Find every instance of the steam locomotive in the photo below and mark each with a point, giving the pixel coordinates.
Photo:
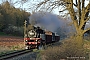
(37, 38)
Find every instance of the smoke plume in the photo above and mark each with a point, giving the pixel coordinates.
(51, 22)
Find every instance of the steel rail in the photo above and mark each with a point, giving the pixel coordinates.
(14, 54)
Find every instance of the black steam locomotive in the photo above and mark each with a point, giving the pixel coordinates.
(35, 37)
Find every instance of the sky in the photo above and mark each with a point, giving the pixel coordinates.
(29, 5)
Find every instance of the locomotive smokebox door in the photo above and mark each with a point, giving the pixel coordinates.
(31, 33)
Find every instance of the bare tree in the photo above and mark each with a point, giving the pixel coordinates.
(19, 3)
(78, 10)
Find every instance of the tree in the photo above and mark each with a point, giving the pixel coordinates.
(12, 15)
(1, 21)
(1, 18)
(78, 10)
(11, 18)
(8, 13)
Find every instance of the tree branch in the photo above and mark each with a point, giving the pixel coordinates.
(43, 2)
(83, 3)
(79, 10)
(87, 9)
(86, 30)
(87, 19)
(84, 16)
(72, 14)
(75, 5)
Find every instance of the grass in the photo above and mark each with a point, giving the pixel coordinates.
(87, 45)
(2, 34)
(4, 48)
(67, 48)
(9, 49)
(6, 52)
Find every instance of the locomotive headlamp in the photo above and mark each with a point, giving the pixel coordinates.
(36, 40)
(26, 40)
(31, 38)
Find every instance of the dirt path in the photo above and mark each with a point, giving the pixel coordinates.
(10, 40)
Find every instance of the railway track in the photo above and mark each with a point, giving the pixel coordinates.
(14, 54)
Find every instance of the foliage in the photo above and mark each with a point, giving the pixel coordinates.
(87, 45)
(12, 15)
(2, 33)
(13, 30)
(69, 48)
(12, 19)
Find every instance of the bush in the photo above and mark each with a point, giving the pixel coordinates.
(13, 30)
(69, 48)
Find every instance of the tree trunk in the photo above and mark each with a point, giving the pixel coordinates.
(79, 39)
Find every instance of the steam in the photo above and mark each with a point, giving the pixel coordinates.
(50, 22)
(45, 20)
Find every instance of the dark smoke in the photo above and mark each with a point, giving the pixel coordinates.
(51, 22)
(46, 20)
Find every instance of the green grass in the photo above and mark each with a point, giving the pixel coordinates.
(8, 49)
(8, 52)
(2, 34)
